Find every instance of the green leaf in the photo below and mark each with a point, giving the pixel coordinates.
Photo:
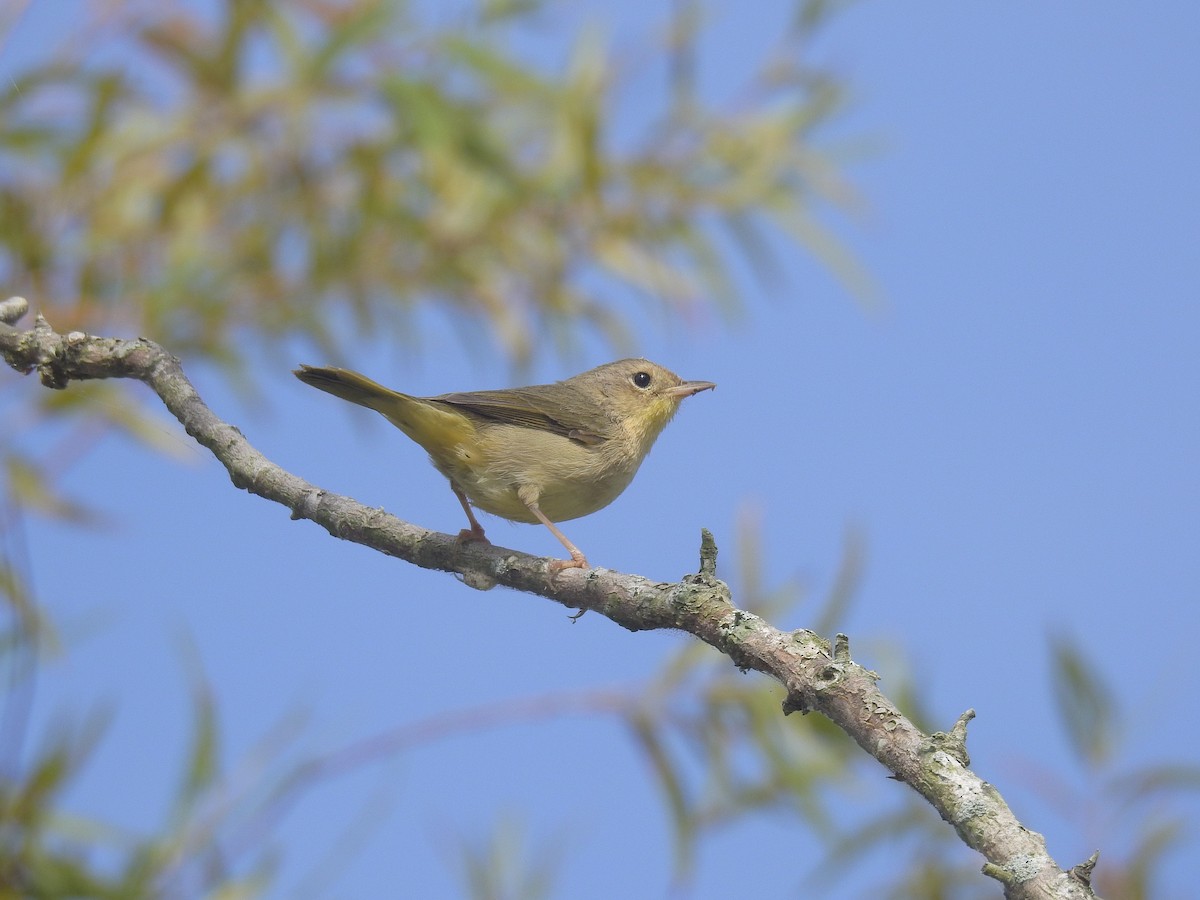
(1085, 703)
(33, 488)
(646, 736)
(1155, 782)
(202, 767)
(501, 868)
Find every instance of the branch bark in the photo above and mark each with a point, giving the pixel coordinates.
(818, 677)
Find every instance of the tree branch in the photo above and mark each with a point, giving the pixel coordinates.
(817, 677)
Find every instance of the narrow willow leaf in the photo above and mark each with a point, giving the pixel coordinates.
(1086, 705)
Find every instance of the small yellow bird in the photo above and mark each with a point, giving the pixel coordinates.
(544, 453)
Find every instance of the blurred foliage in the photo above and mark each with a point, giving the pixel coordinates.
(206, 181)
(1114, 805)
(716, 741)
(1085, 704)
(47, 854)
(499, 867)
(321, 170)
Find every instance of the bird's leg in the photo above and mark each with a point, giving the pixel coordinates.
(475, 532)
(577, 560)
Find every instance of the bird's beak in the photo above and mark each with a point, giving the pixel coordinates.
(688, 388)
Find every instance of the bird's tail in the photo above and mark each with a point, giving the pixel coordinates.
(353, 387)
(441, 430)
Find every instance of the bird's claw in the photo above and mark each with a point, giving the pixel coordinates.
(575, 562)
(472, 536)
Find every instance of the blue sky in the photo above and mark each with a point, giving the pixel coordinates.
(1015, 431)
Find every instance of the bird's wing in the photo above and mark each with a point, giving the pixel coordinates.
(543, 407)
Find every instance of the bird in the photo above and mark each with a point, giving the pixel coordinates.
(545, 453)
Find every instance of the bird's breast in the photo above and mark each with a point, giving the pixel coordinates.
(571, 479)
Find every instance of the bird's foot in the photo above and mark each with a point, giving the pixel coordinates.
(577, 561)
(473, 535)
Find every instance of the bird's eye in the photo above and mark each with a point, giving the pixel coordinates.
(641, 379)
